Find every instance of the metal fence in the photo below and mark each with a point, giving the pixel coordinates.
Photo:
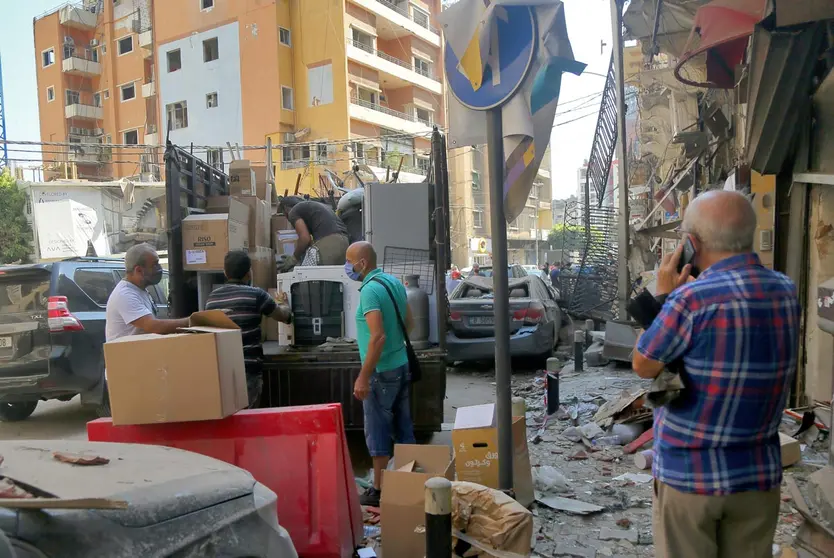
(588, 277)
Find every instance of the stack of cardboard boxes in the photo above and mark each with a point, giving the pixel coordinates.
(240, 221)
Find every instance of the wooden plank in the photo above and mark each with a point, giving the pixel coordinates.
(62, 504)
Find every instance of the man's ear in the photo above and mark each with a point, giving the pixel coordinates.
(248, 277)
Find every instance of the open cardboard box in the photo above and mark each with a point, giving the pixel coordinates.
(475, 440)
(403, 496)
(196, 374)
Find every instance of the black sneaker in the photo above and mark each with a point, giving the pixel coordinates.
(370, 497)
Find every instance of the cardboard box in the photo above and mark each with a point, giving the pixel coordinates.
(234, 208)
(403, 496)
(242, 180)
(264, 274)
(208, 238)
(277, 223)
(194, 375)
(264, 191)
(475, 440)
(791, 451)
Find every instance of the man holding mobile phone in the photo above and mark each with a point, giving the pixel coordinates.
(718, 465)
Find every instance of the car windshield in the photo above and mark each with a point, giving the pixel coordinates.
(487, 272)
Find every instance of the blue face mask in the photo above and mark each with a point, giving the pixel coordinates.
(351, 272)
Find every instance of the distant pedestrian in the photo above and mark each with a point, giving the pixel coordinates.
(554, 275)
(476, 271)
(384, 380)
(718, 465)
(545, 271)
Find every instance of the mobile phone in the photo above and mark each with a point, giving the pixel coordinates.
(688, 257)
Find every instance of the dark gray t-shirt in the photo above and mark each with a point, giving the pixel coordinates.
(321, 221)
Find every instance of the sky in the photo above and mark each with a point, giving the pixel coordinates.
(589, 23)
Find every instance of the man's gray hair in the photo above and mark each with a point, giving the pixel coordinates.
(722, 221)
(137, 255)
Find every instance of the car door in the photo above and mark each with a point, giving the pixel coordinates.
(159, 294)
(551, 307)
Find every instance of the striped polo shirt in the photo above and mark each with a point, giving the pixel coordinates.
(245, 306)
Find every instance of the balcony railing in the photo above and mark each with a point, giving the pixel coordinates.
(384, 110)
(77, 15)
(370, 50)
(404, 12)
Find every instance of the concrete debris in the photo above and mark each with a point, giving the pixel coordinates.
(567, 505)
(623, 409)
(636, 478)
(591, 430)
(580, 455)
(549, 479)
(608, 534)
(574, 551)
(619, 342)
(593, 355)
(624, 522)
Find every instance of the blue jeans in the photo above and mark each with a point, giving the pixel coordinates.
(387, 412)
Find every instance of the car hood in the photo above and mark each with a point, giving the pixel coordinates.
(158, 483)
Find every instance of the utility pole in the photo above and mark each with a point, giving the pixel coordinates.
(4, 148)
(623, 283)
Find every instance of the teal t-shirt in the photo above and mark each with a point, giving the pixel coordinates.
(373, 296)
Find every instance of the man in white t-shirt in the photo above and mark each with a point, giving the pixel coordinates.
(130, 309)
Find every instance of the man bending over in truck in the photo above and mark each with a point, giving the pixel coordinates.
(245, 305)
(384, 380)
(130, 309)
(317, 226)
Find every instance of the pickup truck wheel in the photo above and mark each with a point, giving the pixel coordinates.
(103, 410)
(13, 412)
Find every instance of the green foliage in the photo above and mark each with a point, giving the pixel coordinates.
(392, 159)
(570, 236)
(15, 232)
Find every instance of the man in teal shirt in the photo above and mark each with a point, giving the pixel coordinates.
(384, 381)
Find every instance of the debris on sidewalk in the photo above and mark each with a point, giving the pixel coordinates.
(568, 505)
(8, 489)
(627, 408)
(76, 459)
(492, 518)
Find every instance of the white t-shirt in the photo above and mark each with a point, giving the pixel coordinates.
(127, 303)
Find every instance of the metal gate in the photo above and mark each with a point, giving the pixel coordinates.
(588, 276)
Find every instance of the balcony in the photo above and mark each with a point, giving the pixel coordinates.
(75, 16)
(387, 118)
(398, 73)
(151, 135)
(149, 90)
(78, 65)
(394, 21)
(87, 112)
(90, 154)
(146, 39)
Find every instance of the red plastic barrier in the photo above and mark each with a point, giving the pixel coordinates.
(298, 452)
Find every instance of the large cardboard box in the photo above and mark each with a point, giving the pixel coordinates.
(264, 274)
(475, 439)
(277, 223)
(242, 181)
(194, 375)
(264, 191)
(207, 238)
(257, 215)
(403, 496)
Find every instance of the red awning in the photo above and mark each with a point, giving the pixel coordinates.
(722, 29)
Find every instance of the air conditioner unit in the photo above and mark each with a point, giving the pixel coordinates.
(766, 240)
(289, 137)
(93, 43)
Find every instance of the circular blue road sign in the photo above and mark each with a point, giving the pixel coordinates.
(515, 44)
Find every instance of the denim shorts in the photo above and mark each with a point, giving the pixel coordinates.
(387, 412)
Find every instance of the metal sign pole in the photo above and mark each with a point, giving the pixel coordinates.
(501, 300)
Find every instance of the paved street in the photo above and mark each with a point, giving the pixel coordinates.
(51, 420)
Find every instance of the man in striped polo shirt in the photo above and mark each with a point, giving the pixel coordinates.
(245, 305)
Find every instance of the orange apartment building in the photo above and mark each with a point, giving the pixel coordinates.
(332, 82)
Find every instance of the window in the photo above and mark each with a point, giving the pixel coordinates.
(211, 100)
(321, 151)
(476, 180)
(423, 115)
(286, 98)
(96, 283)
(125, 45)
(362, 40)
(48, 57)
(358, 150)
(174, 60)
(131, 137)
(96, 99)
(422, 67)
(128, 92)
(367, 95)
(177, 115)
(420, 17)
(284, 36)
(103, 50)
(206, 4)
(106, 94)
(50, 94)
(286, 154)
(72, 97)
(305, 153)
(211, 50)
(214, 157)
(478, 219)
(108, 139)
(423, 164)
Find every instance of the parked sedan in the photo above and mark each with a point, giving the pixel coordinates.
(535, 319)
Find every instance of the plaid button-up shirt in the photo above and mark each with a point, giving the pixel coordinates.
(736, 329)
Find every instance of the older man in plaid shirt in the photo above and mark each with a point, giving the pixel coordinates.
(718, 466)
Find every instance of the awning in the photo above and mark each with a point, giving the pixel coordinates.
(721, 31)
(676, 20)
